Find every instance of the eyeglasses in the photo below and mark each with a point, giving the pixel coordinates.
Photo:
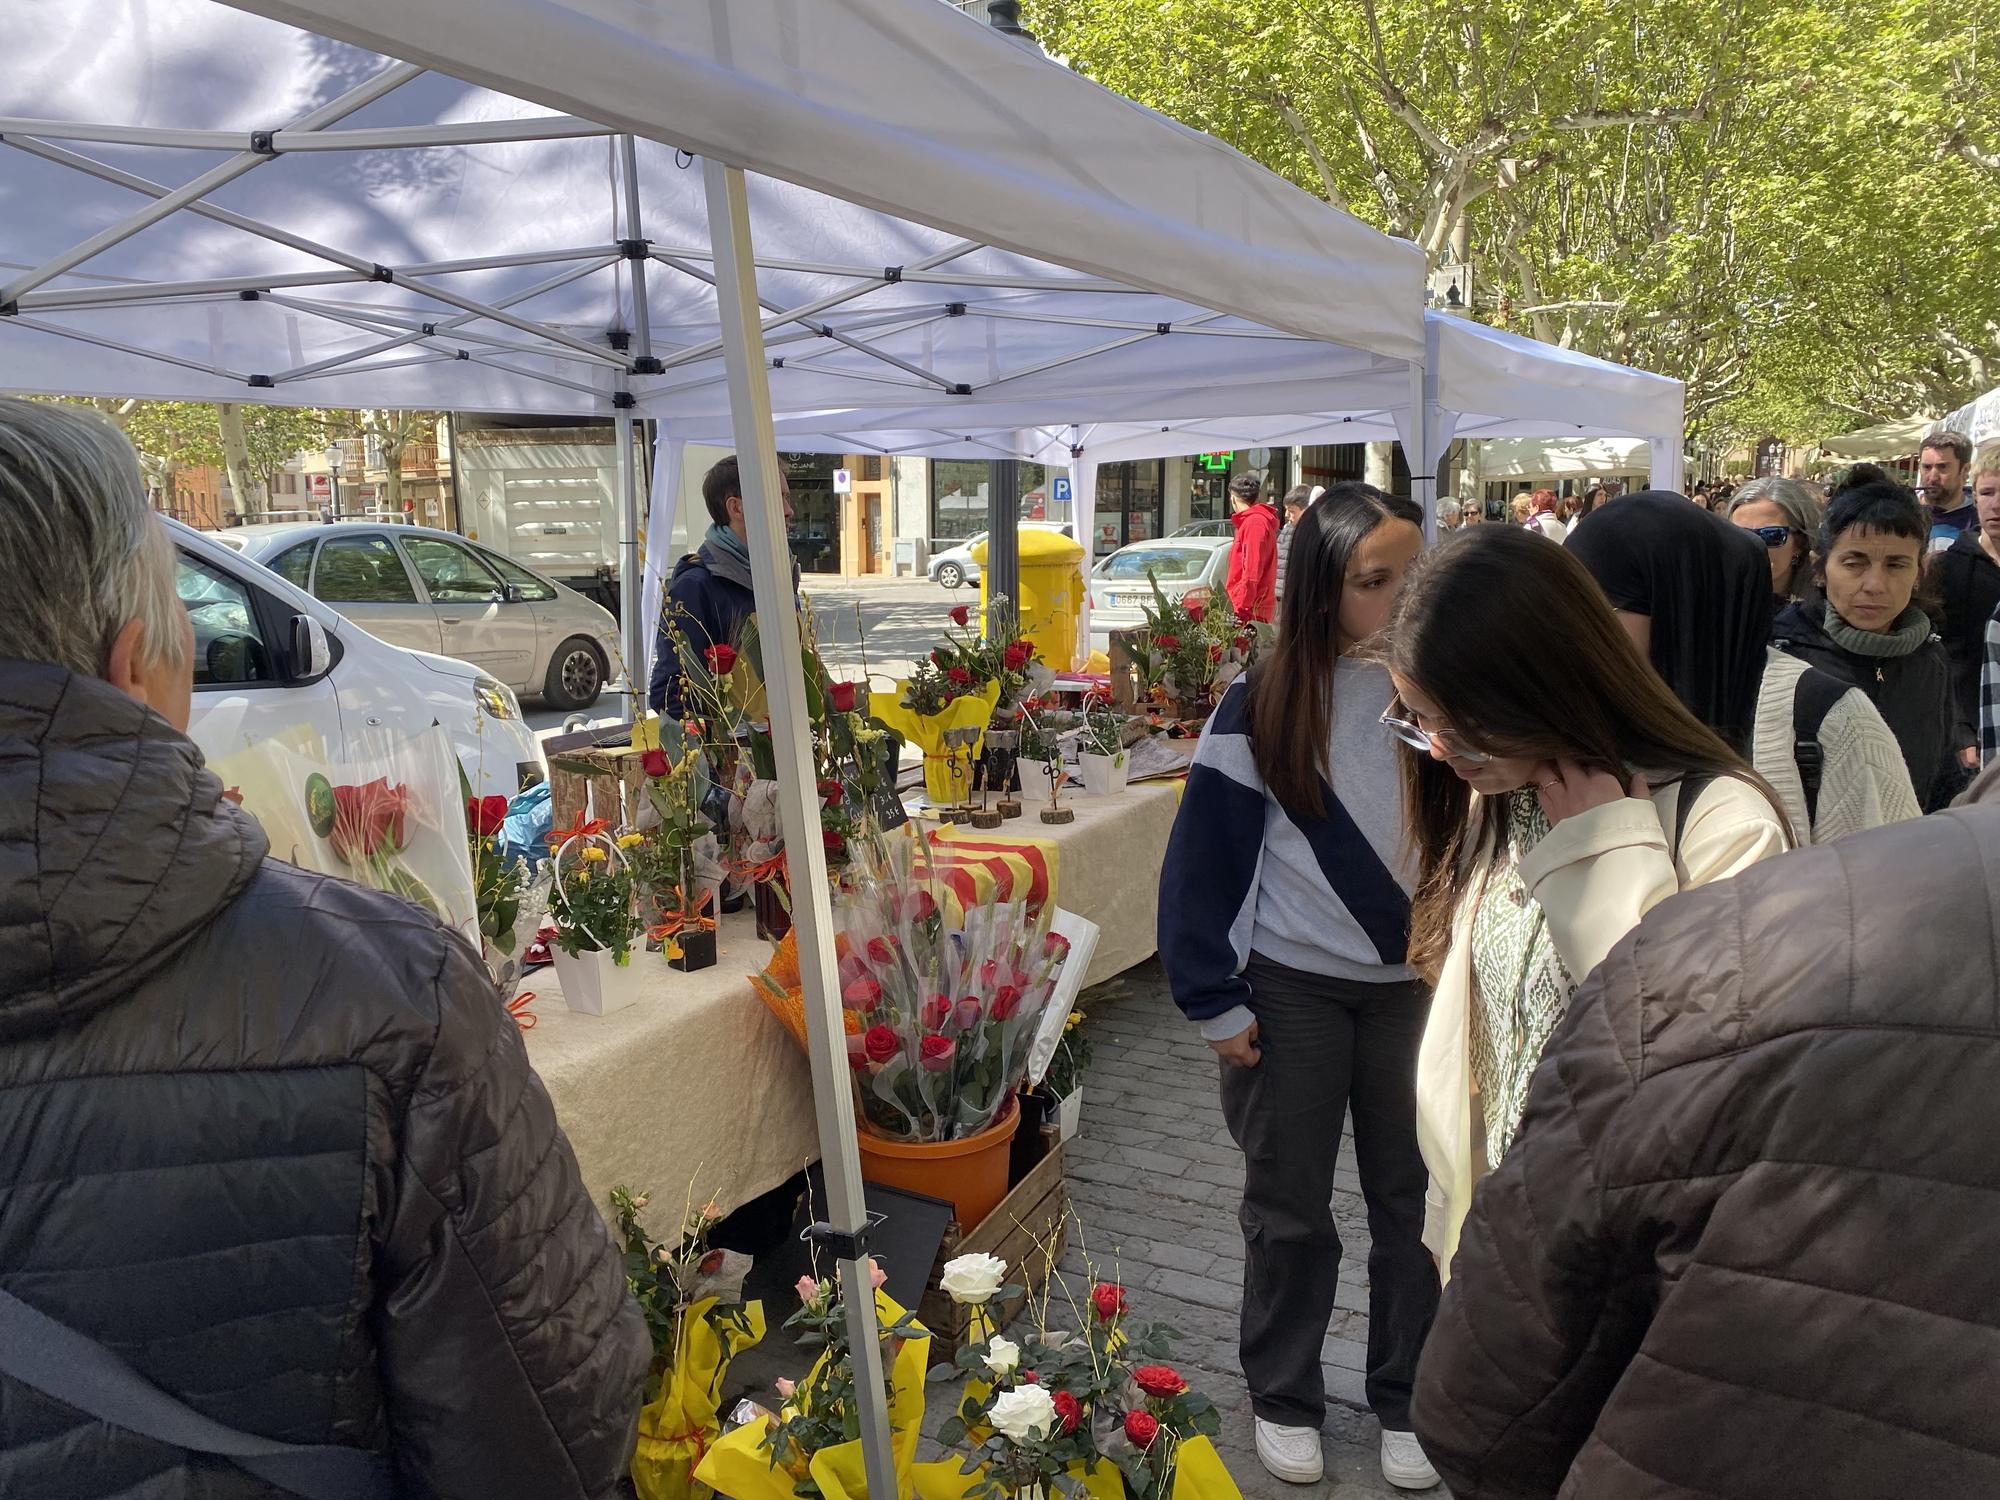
(1419, 738)
(1774, 536)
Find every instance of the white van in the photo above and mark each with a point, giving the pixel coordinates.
(270, 657)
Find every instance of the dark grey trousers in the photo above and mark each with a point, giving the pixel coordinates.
(1329, 1044)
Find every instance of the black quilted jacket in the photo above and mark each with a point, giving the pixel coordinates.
(272, 1138)
(1744, 1247)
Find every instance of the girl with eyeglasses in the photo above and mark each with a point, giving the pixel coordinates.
(1871, 631)
(1284, 930)
(1693, 592)
(1555, 799)
(1782, 514)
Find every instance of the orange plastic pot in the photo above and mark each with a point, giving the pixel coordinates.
(970, 1174)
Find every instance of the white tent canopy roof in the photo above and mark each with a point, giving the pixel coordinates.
(211, 205)
(1897, 439)
(1978, 419)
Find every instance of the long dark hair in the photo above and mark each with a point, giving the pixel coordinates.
(1291, 693)
(1471, 629)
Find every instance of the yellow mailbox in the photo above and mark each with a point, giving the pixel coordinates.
(1051, 599)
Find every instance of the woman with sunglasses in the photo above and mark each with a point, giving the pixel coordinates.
(1783, 515)
(1555, 799)
(1284, 924)
(1693, 592)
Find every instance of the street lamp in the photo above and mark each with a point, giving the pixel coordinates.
(333, 464)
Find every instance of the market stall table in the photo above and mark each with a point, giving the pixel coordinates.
(695, 1093)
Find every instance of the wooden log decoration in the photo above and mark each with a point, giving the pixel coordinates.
(1055, 812)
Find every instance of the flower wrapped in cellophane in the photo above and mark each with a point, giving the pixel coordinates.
(944, 1015)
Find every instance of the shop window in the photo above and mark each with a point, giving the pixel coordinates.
(958, 496)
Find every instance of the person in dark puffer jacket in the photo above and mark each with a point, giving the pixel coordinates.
(1741, 1249)
(267, 1136)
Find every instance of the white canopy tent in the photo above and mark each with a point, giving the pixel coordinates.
(1978, 419)
(204, 204)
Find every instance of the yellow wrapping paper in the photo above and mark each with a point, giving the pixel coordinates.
(678, 1428)
(739, 1465)
(926, 731)
(1200, 1474)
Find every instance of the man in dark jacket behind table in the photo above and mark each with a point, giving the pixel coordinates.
(268, 1137)
(1743, 1246)
(709, 596)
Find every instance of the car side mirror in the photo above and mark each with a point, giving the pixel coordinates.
(510, 593)
(312, 657)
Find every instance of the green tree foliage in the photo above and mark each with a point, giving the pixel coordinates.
(1788, 205)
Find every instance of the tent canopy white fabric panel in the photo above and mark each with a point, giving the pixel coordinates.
(1588, 458)
(1898, 439)
(1978, 419)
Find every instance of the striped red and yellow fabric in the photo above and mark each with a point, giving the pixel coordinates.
(973, 863)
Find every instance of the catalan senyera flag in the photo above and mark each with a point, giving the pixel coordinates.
(972, 863)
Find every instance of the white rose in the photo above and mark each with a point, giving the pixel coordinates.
(1003, 1357)
(973, 1279)
(1023, 1414)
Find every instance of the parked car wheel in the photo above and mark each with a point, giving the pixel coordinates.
(576, 675)
(951, 575)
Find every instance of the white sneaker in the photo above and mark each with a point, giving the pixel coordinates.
(1291, 1453)
(1403, 1462)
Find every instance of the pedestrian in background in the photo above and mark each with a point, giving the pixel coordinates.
(1252, 585)
(1735, 1252)
(1785, 517)
(1471, 513)
(1966, 578)
(1297, 498)
(1283, 928)
(1542, 515)
(272, 1158)
(1693, 592)
(1582, 506)
(1556, 798)
(1941, 470)
(1870, 630)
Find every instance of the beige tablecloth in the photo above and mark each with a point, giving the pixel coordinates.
(696, 1091)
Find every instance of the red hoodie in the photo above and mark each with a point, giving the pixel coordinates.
(1253, 562)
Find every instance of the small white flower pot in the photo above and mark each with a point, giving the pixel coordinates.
(1103, 774)
(594, 984)
(1069, 1112)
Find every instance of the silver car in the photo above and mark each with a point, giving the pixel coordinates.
(1121, 588)
(435, 591)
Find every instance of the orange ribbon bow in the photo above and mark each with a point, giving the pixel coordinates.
(582, 828)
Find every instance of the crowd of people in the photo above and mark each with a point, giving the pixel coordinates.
(1612, 889)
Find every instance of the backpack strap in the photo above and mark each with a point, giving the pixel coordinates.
(76, 1370)
(1687, 792)
(1812, 700)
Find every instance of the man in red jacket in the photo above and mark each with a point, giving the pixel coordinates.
(1253, 562)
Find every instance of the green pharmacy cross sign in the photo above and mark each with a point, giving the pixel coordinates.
(1214, 463)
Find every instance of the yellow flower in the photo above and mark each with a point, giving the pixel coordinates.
(1075, 1020)
(628, 841)
(594, 855)
(583, 877)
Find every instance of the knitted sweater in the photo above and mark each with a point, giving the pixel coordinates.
(1865, 782)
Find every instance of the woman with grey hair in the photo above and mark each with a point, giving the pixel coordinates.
(1783, 513)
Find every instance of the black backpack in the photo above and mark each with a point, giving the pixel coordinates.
(1812, 700)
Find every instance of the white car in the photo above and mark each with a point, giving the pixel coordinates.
(269, 657)
(956, 565)
(433, 590)
(1120, 588)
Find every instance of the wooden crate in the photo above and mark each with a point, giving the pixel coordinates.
(596, 771)
(1029, 1230)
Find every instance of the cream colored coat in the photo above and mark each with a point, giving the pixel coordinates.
(1595, 875)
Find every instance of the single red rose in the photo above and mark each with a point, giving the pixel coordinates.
(959, 676)
(721, 660)
(1196, 611)
(484, 815)
(1006, 1000)
(857, 1052)
(936, 1011)
(936, 1052)
(832, 793)
(368, 819)
(1109, 1299)
(880, 951)
(961, 615)
(1141, 1428)
(712, 1262)
(861, 994)
(989, 974)
(1159, 1380)
(842, 696)
(1069, 1411)
(923, 906)
(1028, 1377)
(852, 967)
(835, 844)
(1167, 642)
(654, 763)
(1018, 655)
(1055, 945)
(1215, 652)
(881, 1043)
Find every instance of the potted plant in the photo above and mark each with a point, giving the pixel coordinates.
(1063, 1082)
(591, 904)
(679, 867)
(1102, 760)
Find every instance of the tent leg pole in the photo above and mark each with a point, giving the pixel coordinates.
(1423, 472)
(798, 801)
(631, 585)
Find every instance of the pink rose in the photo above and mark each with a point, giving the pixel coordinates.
(877, 1277)
(862, 994)
(808, 1290)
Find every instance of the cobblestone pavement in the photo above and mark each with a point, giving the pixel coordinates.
(1154, 1180)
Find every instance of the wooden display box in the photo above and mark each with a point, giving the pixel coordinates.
(595, 771)
(1029, 1230)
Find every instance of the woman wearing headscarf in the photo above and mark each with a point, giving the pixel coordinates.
(1694, 594)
